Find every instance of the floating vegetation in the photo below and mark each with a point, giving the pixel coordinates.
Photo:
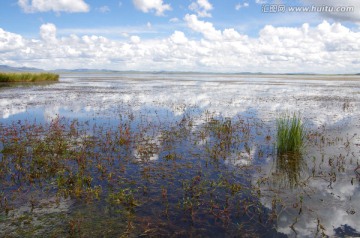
(27, 77)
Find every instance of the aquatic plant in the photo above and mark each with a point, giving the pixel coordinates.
(289, 172)
(290, 135)
(27, 77)
(289, 163)
(107, 170)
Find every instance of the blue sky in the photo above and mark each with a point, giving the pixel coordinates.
(185, 35)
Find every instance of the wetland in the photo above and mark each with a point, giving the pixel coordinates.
(179, 155)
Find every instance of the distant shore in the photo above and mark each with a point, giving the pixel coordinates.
(231, 77)
(299, 76)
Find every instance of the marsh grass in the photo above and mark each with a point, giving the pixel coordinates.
(290, 135)
(27, 77)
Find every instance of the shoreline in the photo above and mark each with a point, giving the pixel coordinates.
(204, 76)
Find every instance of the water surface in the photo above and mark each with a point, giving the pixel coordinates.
(183, 118)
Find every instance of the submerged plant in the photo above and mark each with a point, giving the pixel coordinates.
(289, 172)
(290, 135)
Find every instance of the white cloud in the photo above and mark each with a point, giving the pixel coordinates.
(209, 32)
(206, 28)
(48, 32)
(53, 5)
(239, 6)
(10, 41)
(201, 7)
(325, 48)
(353, 16)
(260, 1)
(205, 4)
(124, 34)
(174, 20)
(135, 39)
(108, 31)
(104, 9)
(148, 5)
(178, 37)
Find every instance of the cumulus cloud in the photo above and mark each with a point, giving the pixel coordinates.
(179, 37)
(149, 5)
(325, 48)
(48, 32)
(209, 32)
(31, 6)
(201, 7)
(353, 16)
(135, 39)
(10, 41)
(203, 27)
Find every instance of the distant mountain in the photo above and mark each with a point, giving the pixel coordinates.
(85, 71)
(5, 68)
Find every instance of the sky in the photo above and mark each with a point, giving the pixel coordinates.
(267, 36)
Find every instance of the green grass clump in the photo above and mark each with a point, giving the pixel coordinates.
(27, 77)
(290, 135)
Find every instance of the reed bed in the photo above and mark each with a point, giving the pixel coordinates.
(27, 77)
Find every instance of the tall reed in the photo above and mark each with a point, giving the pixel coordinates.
(27, 77)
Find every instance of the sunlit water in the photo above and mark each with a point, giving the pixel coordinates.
(321, 196)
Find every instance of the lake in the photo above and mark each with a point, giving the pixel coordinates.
(171, 154)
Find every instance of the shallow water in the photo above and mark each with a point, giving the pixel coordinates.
(318, 195)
